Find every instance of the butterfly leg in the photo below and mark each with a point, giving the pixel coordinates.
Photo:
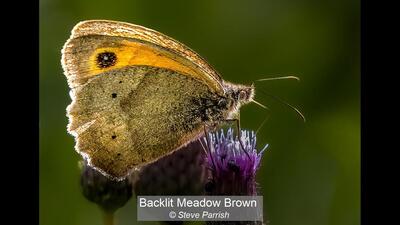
(208, 144)
(237, 122)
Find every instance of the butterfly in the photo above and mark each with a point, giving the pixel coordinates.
(138, 95)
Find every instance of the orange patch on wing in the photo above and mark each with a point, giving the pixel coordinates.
(134, 53)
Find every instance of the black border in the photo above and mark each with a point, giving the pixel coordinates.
(20, 109)
(379, 113)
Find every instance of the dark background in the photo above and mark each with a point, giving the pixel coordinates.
(311, 172)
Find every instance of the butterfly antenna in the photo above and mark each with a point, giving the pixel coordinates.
(279, 78)
(257, 103)
(285, 103)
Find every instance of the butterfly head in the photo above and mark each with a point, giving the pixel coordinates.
(239, 94)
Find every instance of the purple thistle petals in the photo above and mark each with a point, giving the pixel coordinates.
(233, 170)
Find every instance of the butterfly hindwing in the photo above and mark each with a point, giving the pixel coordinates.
(125, 118)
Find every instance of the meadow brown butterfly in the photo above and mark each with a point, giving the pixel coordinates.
(138, 95)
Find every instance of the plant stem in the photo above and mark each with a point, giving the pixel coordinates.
(108, 218)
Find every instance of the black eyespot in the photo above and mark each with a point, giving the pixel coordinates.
(114, 95)
(114, 136)
(106, 59)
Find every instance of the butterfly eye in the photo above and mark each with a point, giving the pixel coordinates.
(242, 95)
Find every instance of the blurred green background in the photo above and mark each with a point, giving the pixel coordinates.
(311, 173)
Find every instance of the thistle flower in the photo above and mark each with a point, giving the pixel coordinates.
(179, 173)
(233, 164)
(108, 194)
